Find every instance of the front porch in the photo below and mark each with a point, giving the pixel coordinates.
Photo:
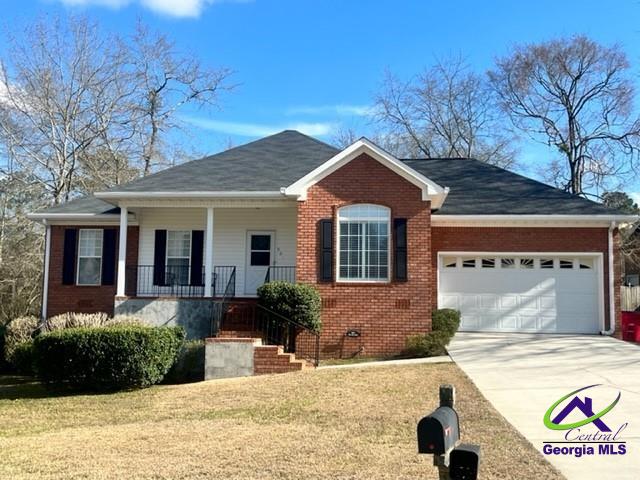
(209, 252)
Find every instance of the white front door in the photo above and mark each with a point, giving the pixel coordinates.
(260, 247)
(552, 293)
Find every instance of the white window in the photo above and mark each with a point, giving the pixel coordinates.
(178, 257)
(488, 263)
(507, 263)
(363, 233)
(526, 263)
(468, 263)
(89, 257)
(546, 263)
(585, 263)
(450, 262)
(566, 263)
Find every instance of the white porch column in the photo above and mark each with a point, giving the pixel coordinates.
(122, 252)
(208, 254)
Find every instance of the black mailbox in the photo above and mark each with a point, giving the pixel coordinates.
(464, 462)
(438, 432)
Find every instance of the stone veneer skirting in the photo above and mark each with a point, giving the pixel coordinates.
(194, 315)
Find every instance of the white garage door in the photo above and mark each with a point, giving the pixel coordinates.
(510, 293)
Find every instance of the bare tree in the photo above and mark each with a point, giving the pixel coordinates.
(81, 111)
(577, 96)
(447, 111)
(20, 247)
(57, 91)
(81, 108)
(166, 81)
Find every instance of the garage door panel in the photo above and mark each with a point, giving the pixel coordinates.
(489, 301)
(449, 301)
(524, 299)
(509, 322)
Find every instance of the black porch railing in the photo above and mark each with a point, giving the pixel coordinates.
(220, 307)
(274, 329)
(177, 281)
(277, 273)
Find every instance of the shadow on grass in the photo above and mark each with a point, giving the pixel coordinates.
(13, 387)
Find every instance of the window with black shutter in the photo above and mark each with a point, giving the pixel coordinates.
(400, 253)
(69, 256)
(326, 250)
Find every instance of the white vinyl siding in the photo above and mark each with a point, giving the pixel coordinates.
(230, 227)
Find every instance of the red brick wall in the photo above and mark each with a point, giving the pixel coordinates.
(385, 313)
(500, 239)
(76, 298)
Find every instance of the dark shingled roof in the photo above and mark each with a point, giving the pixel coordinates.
(270, 163)
(264, 165)
(88, 204)
(477, 188)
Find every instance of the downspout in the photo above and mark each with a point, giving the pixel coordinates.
(45, 273)
(612, 297)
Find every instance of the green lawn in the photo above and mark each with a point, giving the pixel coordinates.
(354, 423)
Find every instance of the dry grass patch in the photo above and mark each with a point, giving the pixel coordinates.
(355, 424)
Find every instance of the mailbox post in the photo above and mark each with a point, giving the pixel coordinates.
(439, 434)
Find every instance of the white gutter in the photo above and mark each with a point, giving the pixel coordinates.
(612, 297)
(89, 218)
(196, 194)
(45, 279)
(608, 218)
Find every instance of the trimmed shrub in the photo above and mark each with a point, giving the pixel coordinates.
(445, 320)
(430, 344)
(20, 330)
(107, 358)
(22, 358)
(87, 320)
(296, 301)
(189, 366)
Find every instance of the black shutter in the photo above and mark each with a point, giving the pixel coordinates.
(197, 243)
(159, 257)
(108, 256)
(69, 256)
(326, 250)
(400, 243)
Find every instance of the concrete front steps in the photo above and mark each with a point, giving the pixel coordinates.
(229, 356)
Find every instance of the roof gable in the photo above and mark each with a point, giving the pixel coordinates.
(430, 189)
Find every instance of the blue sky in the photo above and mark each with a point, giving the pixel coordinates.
(315, 65)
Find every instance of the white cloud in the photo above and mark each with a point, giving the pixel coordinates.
(174, 8)
(635, 196)
(258, 130)
(340, 109)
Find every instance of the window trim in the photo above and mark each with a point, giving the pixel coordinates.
(101, 236)
(188, 257)
(339, 278)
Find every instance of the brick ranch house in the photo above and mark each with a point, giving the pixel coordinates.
(384, 240)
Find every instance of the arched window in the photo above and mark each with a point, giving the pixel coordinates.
(363, 239)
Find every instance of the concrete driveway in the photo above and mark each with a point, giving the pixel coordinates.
(522, 375)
